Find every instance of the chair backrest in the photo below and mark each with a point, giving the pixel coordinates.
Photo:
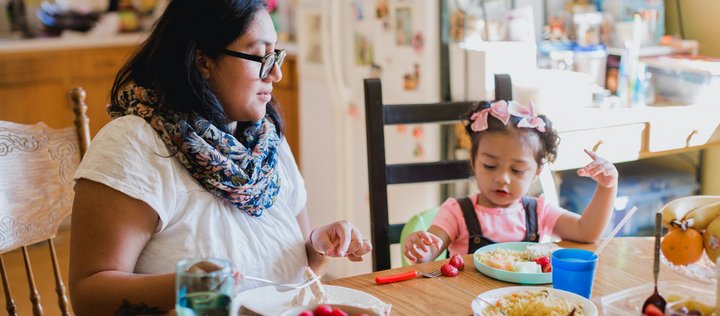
(37, 164)
(381, 174)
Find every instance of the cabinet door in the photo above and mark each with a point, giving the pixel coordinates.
(685, 130)
(95, 70)
(32, 89)
(45, 102)
(616, 144)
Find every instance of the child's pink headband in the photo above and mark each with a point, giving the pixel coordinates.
(502, 111)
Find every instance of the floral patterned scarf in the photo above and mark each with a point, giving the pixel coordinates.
(244, 173)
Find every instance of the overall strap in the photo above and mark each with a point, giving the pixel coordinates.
(471, 220)
(476, 240)
(531, 223)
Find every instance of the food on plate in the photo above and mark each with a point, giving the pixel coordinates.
(311, 294)
(449, 270)
(501, 261)
(682, 246)
(526, 267)
(652, 310)
(457, 261)
(534, 259)
(681, 306)
(323, 310)
(541, 250)
(334, 310)
(544, 263)
(533, 302)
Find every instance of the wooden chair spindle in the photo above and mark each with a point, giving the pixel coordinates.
(9, 303)
(34, 295)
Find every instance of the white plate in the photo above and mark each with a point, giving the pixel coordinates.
(267, 300)
(510, 276)
(493, 295)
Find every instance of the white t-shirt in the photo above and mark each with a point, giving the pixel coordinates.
(129, 156)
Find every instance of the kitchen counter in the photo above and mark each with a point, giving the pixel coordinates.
(70, 42)
(36, 75)
(626, 134)
(77, 40)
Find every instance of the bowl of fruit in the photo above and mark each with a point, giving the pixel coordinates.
(692, 243)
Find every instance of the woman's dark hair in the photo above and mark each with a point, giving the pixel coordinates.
(549, 139)
(165, 62)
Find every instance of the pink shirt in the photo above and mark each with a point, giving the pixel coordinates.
(498, 224)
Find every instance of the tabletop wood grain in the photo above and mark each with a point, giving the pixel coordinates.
(627, 262)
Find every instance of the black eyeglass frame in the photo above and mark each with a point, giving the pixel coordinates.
(277, 57)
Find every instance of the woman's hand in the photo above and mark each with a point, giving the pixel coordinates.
(340, 239)
(600, 170)
(417, 245)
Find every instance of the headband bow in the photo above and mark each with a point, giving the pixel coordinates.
(502, 111)
(529, 118)
(498, 109)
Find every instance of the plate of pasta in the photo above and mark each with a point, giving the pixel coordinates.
(516, 262)
(532, 300)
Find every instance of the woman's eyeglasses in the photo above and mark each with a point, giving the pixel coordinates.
(268, 61)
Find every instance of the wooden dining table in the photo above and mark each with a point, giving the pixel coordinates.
(625, 263)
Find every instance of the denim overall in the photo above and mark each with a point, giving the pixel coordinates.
(477, 240)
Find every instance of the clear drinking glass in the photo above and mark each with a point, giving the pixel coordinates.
(204, 287)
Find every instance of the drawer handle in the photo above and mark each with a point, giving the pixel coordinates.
(597, 145)
(687, 140)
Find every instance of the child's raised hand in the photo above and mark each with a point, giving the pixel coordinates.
(417, 245)
(600, 170)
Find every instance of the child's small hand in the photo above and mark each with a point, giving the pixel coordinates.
(600, 170)
(417, 245)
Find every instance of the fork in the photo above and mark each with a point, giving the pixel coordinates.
(406, 276)
(430, 274)
(286, 286)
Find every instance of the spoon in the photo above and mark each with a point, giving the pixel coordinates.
(656, 299)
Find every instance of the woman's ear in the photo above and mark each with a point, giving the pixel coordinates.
(203, 64)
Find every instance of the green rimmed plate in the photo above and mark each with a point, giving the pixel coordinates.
(509, 276)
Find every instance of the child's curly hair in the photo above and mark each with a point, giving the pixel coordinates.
(549, 139)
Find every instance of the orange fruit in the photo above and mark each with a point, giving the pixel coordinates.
(682, 247)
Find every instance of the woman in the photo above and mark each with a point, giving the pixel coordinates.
(194, 165)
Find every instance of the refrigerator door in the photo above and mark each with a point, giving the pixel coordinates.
(339, 44)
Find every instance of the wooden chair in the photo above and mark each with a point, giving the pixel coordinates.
(380, 174)
(36, 191)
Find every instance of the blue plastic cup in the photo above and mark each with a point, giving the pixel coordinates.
(573, 270)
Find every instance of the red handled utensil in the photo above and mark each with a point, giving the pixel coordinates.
(405, 276)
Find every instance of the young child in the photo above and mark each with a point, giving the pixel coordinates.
(510, 144)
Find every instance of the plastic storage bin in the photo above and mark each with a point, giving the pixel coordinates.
(630, 301)
(647, 187)
(685, 79)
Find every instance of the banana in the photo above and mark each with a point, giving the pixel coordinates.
(678, 208)
(711, 239)
(703, 215)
